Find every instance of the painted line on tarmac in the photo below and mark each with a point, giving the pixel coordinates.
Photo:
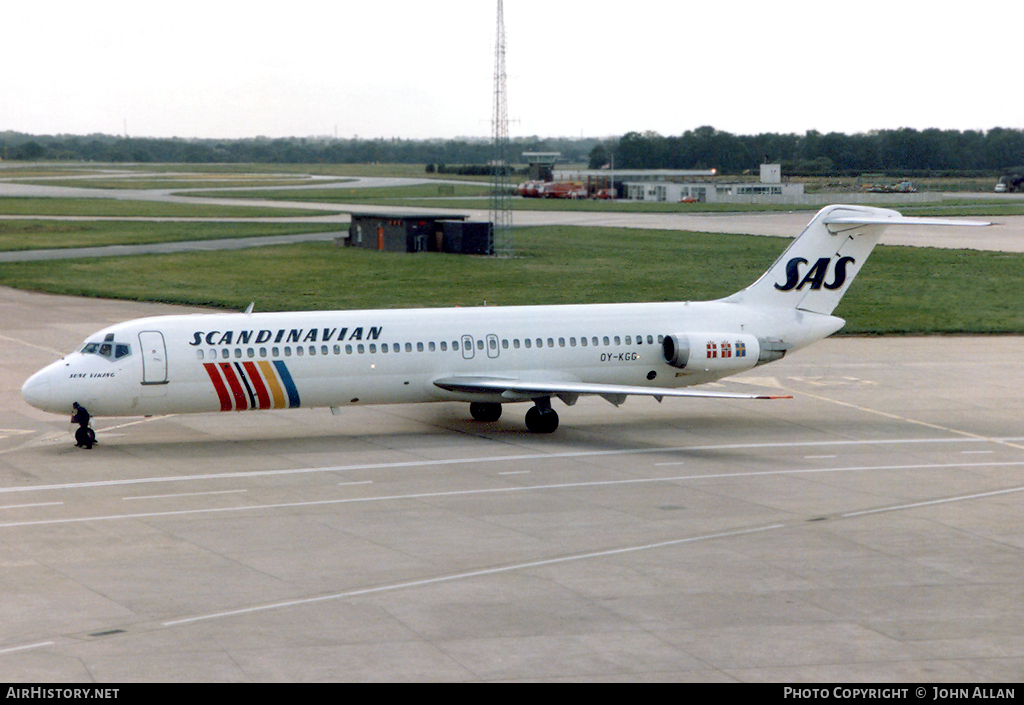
(1009, 442)
(15, 649)
(497, 490)
(933, 502)
(467, 575)
(493, 459)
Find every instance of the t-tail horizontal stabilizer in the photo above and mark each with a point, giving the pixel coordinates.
(815, 271)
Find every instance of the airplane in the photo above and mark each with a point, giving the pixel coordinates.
(487, 356)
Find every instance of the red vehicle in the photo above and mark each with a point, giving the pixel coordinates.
(529, 189)
(563, 189)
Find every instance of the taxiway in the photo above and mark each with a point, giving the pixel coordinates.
(868, 529)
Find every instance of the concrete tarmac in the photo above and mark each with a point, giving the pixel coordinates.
(869, 529)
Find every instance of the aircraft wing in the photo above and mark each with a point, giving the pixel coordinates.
(523, 390)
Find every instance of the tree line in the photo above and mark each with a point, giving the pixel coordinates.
(906, 150)
(263, 150)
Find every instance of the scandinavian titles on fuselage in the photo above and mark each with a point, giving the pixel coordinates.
(284, 335)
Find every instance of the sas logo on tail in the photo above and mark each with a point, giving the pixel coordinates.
(815, 276)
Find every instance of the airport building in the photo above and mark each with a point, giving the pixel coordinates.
(770, 187)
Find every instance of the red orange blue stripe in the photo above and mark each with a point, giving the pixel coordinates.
(241, 386)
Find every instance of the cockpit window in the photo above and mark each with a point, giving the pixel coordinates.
(108, 349)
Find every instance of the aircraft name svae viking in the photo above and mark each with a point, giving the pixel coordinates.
(487, 356)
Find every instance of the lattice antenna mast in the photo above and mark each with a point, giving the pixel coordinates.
(501, 197)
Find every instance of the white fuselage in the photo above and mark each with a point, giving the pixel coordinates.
(238, 362)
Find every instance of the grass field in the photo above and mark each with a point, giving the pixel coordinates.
(48, 234)
(900, 290)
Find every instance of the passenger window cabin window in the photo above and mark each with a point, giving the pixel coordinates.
(199, 354)
(504, 343)
(276, 352)
(384, 347)
(583, 342)
(323, 349)
(444, 346)
(551, 342)
(650, 340)
(337, 350)
(361, 349)
(250, 353)
(287, 350)
(299, 350)
(432, 346)
(479, 345)
(263, 352)
(492, 343)
(455, 345)
(540, 342)
(348, 349)
(561, 342)
(373, 348)
(618, 340)
(528, 343)
(419, 347)
(606, 341)
(629, 340)
(408, 347)
(312, 350)
(225, 354)
(515, 343)
(572, 342)
(594, 341)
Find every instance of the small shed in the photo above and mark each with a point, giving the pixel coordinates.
(406, 232)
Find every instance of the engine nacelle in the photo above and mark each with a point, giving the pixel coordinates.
(711, 352)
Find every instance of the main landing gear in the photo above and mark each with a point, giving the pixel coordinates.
(483, 411)
(540, 419)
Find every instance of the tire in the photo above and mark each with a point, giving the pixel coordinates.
(538, 421)
(85, 437)
(485, 412)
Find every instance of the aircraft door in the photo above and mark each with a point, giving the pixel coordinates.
(492, 346)
(154, 357)
(467, 347)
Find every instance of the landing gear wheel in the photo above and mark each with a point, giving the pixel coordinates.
(486, 412)
(541, 420)
(85, 438)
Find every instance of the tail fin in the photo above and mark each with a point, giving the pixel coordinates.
(818, 267)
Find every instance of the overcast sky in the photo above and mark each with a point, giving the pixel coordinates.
(416, 69)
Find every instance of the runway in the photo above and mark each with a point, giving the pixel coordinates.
(870, 528)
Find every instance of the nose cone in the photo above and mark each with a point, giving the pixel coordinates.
(38, 391)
